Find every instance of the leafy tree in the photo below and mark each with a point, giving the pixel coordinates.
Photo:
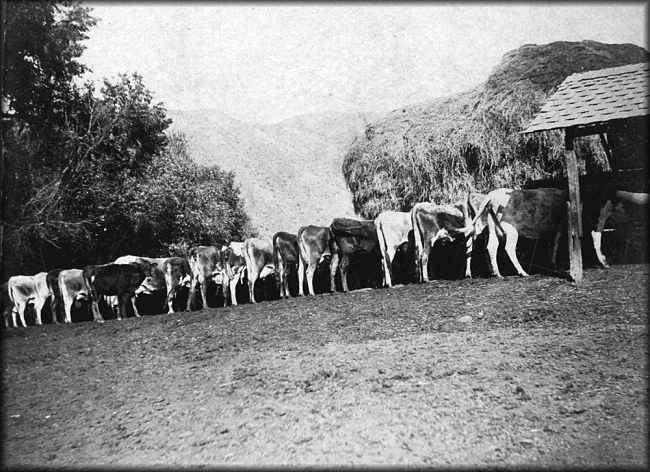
(92, 174)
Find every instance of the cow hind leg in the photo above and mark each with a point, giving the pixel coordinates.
(97, 316)
(469, 248)
(53, 306)
(67, 308)
(344, 264)
(386, 262)
(204, 293)
(311, 270)
(334, 266)
(424, 261)
(135, 308)
(251, 287)
(38, 308)
(492, 248)
(285, 283)
(301, 277)
(511, 247)
(233, 291)
(597, 234)
(191, 293)
(15, 316)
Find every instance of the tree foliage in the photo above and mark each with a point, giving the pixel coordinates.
(92, 174)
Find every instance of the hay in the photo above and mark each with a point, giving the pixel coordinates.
(438, 150)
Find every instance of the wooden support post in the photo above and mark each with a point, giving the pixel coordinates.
(574, 209)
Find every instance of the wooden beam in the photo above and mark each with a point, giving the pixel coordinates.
(574, 209)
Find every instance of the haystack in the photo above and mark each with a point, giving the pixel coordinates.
(436, 151)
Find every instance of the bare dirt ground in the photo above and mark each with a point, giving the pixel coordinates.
(544, 374)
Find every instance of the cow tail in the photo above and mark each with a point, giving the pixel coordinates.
(486, 205)
(383, 245)
(417, 237)
(10, 290)
(276, 255)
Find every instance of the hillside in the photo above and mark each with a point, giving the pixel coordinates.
(436, 151)
(289, 172)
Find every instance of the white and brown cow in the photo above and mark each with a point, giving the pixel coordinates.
(25, 289)
(233, 266)
(52, 281)
(393, 229)
(531, 213)
(433, 223)
(205, 265)
(258, 254)
(315, 246)
(286, 256)
(73, 289)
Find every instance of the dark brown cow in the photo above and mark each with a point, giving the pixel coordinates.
(601, 195)
(52, 281)
(315, 245)
(115, 279)
(169, 274)
(438, 222)
(204, 262)
(258, 254)
(286, 255)
(352, 236)
(233, 266)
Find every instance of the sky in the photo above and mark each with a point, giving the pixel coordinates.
(266, 62)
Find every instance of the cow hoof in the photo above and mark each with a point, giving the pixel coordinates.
(99, 321)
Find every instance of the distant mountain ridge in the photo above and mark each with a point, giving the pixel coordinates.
(289, 172)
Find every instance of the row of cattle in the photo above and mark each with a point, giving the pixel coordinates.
(505, 214)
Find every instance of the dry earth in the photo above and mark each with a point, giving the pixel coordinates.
(543, 374)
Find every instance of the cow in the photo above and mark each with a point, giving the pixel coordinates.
(605, 211)
(392, 231)
(258, 254)
(24, 289)
(73, 289)
(43, 293)
(233, 265)
(169, 274)
(204, 264)
(52, 281)
(601, 195)
(433, 223)
(531, 213)
(116, 279)
(351, 236)
(285, 257)
(21, 292)
(315, 245)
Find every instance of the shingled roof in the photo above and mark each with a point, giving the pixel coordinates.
(596, 96)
